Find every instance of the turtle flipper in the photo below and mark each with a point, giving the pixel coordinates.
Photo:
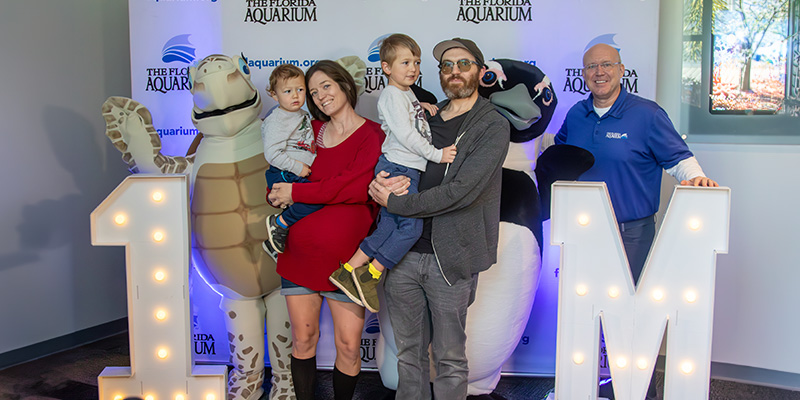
(129, 126)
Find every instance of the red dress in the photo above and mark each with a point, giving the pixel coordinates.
(340, 178)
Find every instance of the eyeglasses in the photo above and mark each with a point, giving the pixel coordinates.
(464, 65)
(604, 66)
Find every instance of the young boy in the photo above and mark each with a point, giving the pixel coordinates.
(406, 151)
(288, 147)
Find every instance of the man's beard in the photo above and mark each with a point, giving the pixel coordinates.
(463, 90)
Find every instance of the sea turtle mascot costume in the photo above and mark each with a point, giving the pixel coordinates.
(228, 208)
(497, 318)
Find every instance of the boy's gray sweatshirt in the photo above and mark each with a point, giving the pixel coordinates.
(408, 136)
(288, 140)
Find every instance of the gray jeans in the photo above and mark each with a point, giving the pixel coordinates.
(424, 310)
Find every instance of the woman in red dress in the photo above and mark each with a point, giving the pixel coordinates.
(348, 147)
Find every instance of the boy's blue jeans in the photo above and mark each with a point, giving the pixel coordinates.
(295, 211)
(394, 235)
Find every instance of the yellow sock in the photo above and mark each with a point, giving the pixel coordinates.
(348, 267)
(374, 271)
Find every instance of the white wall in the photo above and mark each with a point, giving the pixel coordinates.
(60, 60)
(756, 320)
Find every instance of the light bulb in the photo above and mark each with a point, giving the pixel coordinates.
(149, 397)
(120, 219)
(158, 236)
(179, 397)
(641, 363)
(118, 397)
(158, 196)
(694, 224)
(622, 362)
(613, 292)
(161, 315)
(583, 219)
(690, 296)
(581, 290)
(159, 276)
(687, 367)
(162, 353)
(211, 396)
(577, 358)
(658, 295)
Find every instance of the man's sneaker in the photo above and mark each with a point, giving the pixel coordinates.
(344, 280)
(270, 251)
(276, 235)
(367, 287)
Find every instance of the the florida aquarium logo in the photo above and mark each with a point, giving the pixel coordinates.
(477, 11)
(267, 11)
(178, 49)
(372, 325)
(574, 82)
(373, 54)
(368, 345)
(165, 79)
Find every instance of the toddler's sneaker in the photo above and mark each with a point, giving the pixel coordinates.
(367, 287)
(276, 235)
(343, 279)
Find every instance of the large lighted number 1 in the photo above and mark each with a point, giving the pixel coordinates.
(149, 215)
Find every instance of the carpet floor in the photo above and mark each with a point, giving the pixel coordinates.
(72, 375)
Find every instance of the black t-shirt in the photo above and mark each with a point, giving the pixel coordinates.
(444, 134)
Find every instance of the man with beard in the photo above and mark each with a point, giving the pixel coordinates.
(429, 290)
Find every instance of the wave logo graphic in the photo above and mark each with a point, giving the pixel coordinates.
(375, 49)
(372, 325)
(608, 39)
(178, 49)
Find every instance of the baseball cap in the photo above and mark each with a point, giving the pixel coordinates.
(466, 44)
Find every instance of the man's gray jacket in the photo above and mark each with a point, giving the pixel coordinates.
(466, 206)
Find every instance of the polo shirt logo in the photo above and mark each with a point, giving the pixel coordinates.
(616, 135)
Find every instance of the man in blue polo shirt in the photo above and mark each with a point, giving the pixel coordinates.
(632, 140)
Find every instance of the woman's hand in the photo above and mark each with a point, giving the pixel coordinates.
(281, 195)
(306, 171)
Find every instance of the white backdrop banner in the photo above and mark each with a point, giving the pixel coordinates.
(167, 36)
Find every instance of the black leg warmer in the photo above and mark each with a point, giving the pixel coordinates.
(304, 377)
(344, 386)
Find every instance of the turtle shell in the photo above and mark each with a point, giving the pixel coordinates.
(229, 208)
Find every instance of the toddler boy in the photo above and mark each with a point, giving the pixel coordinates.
(289, 148)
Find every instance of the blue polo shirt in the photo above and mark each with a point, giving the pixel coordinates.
(631, 144)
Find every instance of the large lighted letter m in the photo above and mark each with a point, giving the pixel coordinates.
(675, 293)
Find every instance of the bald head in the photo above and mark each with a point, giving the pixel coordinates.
(602, 72)
(601, 50)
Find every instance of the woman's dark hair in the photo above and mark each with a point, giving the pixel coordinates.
(338, 74)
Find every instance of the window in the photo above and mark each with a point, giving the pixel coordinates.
(741, 70)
